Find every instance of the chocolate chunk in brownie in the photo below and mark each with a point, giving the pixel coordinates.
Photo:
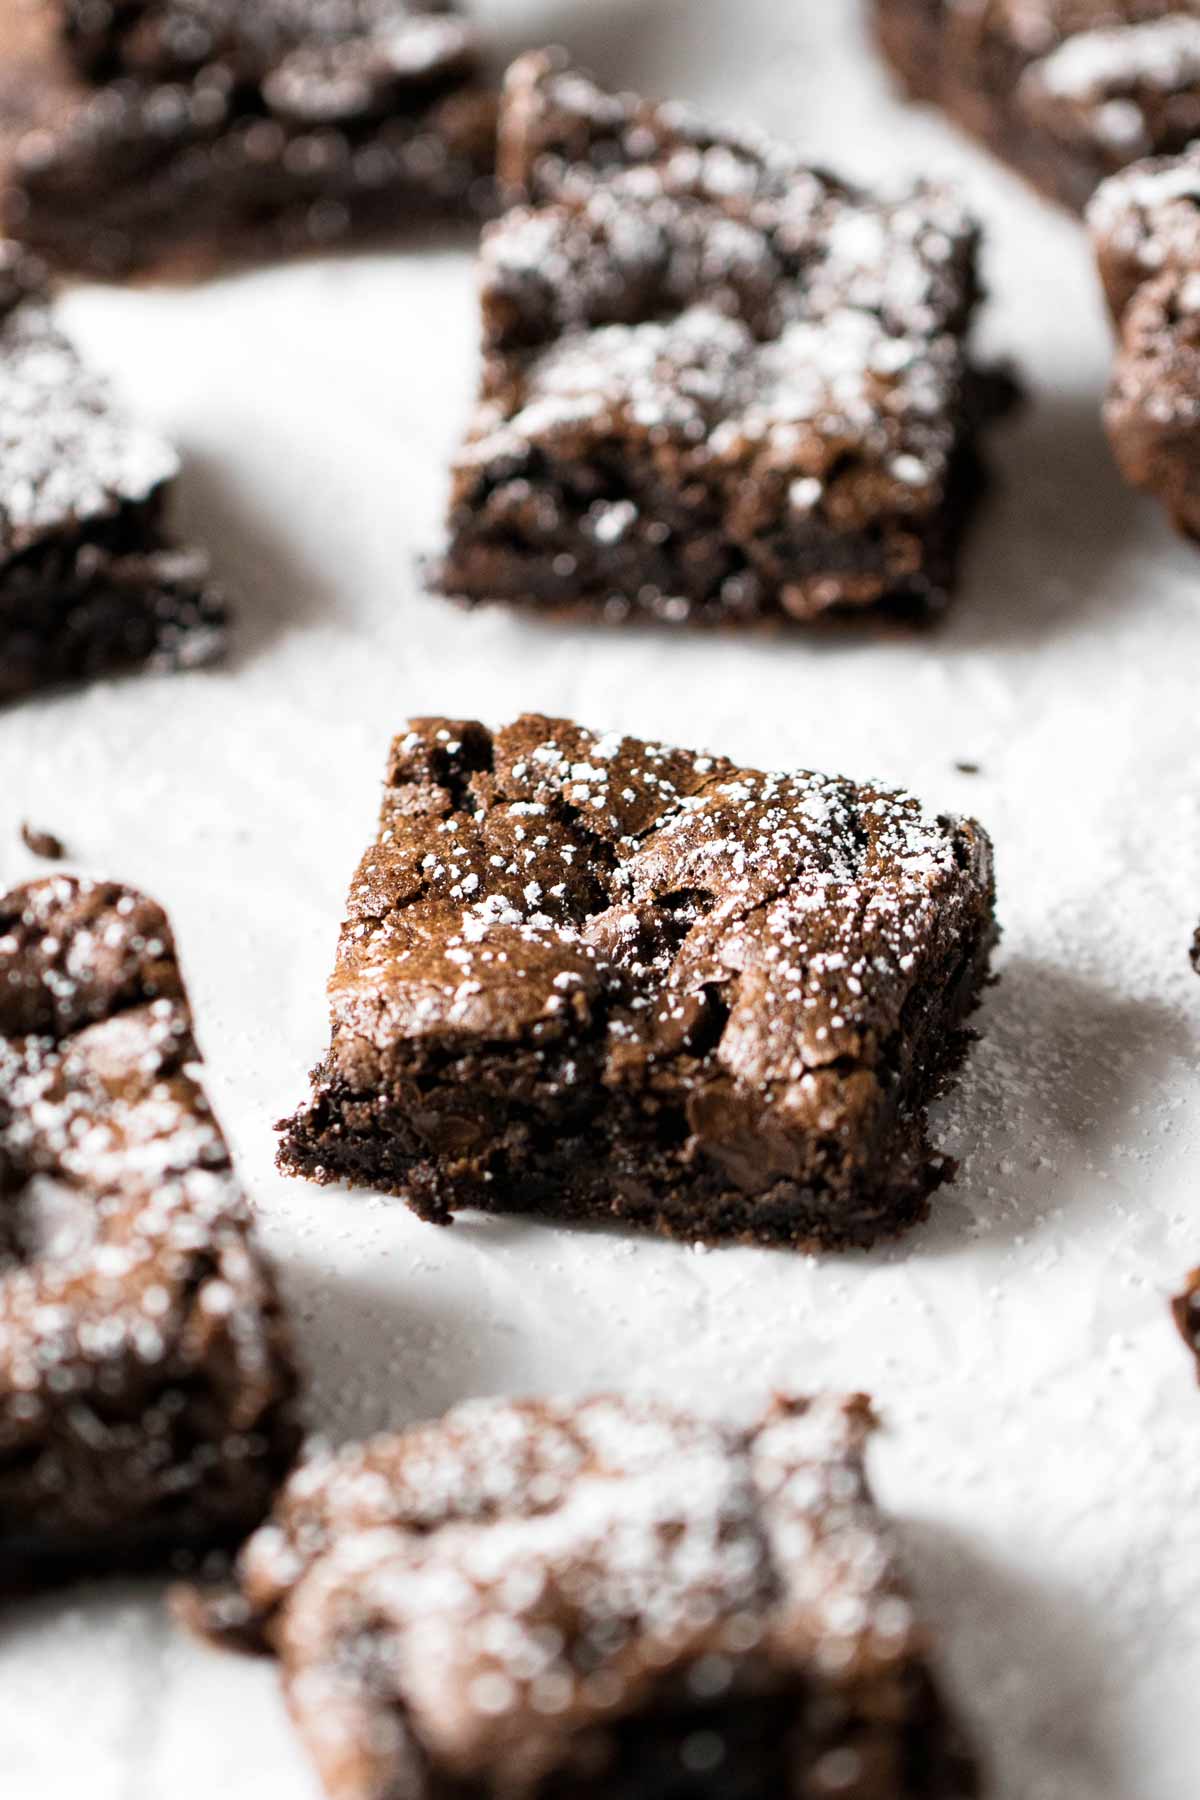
(1145, 224)
(585, 977)
(139, 134)
(146, 1387)
(609, 1598)
(1067, 91)
(718, 385)
(90, 581)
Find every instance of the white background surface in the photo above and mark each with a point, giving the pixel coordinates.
(1043, 1455)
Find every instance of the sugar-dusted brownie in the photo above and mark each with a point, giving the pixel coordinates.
(146, 1385)
(718, 385)
(90, 580)
(141, 133)
(608, 1599)
(1145, 224)
(590, 977)
(1067, 91)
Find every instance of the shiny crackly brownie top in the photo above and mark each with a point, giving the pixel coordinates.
(124, 1260)
(707, 291)
(547, 883)
(337, 41)
(69, 456)
(473, 1594)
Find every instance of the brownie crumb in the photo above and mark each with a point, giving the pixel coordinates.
(42, 843)
(968, 768)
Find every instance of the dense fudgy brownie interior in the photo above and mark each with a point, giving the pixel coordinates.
(718, 385)
(145, 1379)
(592, 977)
(187, 131)
(1067, 91)
(607, 1599)
(90, 581)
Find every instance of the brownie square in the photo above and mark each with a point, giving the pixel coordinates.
(90, 581)
(151, 134)
(146, 1386)
(1066, 91)
(718, 385)
(588, 977)
(610, 1600)
(1145, 225)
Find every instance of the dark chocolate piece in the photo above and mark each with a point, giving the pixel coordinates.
(1186, 1311)
(146, 1386)
(604, 1599)
(1066, 91)
(152, 134)
(589, 977)
(42, 843)
(718, 385)
(1146, 227)
(90, 581)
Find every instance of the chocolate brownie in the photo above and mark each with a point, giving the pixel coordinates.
(1186, 1311)
(145, 1379)
(718, 385)
(589, 977)
(1145, 224)
(138, 133)
(609, 1598)
(90, 581)
(1067, 91)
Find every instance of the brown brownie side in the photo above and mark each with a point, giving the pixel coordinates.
(1145, 224)
(180, 134)
(146, 1384)
(1066, 91)
(590, 977)
(610, 1600)
(719, 386)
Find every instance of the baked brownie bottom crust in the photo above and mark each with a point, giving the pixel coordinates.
(581, 1113)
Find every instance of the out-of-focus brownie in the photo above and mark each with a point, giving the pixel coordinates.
(601, 1599)
(1067, 91)
(590, 977)
(1186, 1310)
(146, 1386)
(90, 581)
(718, 385)
(1146, 227)
(138, 134)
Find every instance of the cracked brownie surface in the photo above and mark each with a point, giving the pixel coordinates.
(142, 134)
(90, 582)
(1145, 225)
(1067, 91)
(590, 977)
(601, 1598)
(145, 1377)
(718, 385)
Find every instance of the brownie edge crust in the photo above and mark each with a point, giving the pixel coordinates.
(608, 1600)
(589, 977)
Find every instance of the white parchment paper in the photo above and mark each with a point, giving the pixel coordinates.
(1043, 1451)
